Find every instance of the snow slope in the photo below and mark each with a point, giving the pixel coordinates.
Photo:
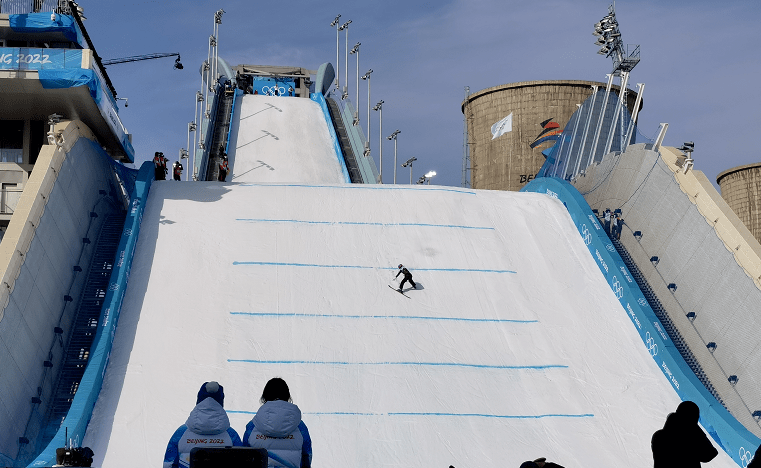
(512, 348)
(276, 139)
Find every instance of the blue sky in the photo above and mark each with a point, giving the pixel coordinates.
(699, 61)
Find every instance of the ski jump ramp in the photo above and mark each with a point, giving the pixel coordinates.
(513, 346)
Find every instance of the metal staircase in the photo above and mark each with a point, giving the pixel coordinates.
(665, 320)
(85, 324)
(343, 139)
(221, 129)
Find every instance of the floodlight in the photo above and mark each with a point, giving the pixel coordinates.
(430, 174)
(335, 21)
(600, 41)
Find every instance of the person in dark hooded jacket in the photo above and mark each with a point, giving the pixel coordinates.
(277, 427)
(207, 426)
(682, 442)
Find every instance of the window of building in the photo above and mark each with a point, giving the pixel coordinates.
(12, 141)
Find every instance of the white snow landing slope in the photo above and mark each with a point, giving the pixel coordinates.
(512, 347)
(274, 139)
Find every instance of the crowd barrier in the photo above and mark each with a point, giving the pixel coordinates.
(75, 423)
(727, 432)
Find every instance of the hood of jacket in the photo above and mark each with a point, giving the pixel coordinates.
(208, 418)
(277, 418)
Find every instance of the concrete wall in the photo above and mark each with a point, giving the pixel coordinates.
(508, 162)
(704, 250)
(37, 258)
(741, 189)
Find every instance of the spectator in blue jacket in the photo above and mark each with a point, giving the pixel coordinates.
(207, 426)
(277, 427)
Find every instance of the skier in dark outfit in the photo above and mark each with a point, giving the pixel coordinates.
(407, 277)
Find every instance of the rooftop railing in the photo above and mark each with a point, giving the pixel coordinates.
(22, 7)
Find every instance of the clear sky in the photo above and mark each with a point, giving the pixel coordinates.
(700, 62)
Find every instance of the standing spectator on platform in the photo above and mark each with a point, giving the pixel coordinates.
(613, 225)
(277, 427)
(159, 166)
(177, 170)
(223, 168)
(207, 426)
(540, 463)
(619, 226)
(290, 90)
(606, 218)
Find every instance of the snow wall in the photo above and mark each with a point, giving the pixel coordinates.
(731, 436)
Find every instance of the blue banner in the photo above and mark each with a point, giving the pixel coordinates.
(15, 58)
(273, 86)
(736, 440)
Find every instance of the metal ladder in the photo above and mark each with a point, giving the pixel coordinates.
(85, 324)
(221, 128)
(343, 140)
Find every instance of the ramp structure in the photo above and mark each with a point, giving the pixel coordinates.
(512, 347)
(275, 139)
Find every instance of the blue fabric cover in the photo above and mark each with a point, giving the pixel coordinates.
(36, 23)
(728, 433)
(70, 78)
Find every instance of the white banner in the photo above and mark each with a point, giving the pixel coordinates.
(503, 126)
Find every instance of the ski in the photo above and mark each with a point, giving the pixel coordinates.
(400, 292)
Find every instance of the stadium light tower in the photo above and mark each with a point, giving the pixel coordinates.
(393, 137)
(409, 163)
(355, 50)
(609, 37)
(366, 76)
(345, 92)
(379, 107)
(334, 24)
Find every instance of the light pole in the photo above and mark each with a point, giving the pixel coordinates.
(379, 107)
(366, 76)
(334, 24)
(426, 177)
(409, 163)
(355, 50)
(393, 137)
(345, 26)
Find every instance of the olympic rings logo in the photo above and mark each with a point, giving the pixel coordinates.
(652, 347)
(114, 287)
(618, 290)
(585, 234)
(610, 248)
(745, 456)
(642, 302)
(272, 90)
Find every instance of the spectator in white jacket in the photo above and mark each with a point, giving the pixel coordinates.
(277, 427)
(207, 426)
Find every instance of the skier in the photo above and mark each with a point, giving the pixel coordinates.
(407, 277)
